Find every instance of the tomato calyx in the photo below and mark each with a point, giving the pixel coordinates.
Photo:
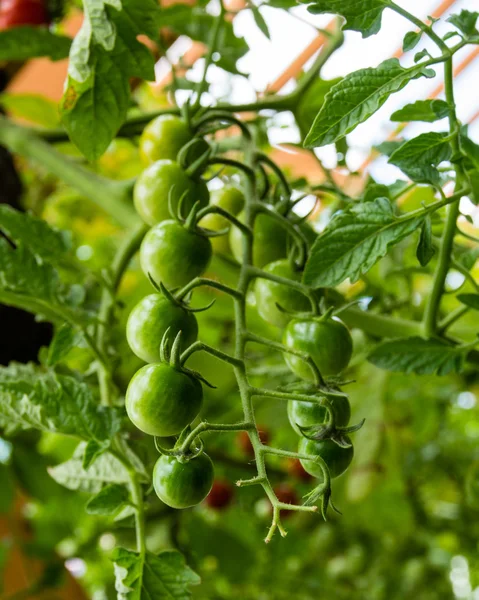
(339, 435)
(177, 300)
(178, 451)
(172, 356)
(195, 169)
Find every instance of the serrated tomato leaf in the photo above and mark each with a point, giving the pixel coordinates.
(24, 42)
(419, 157)
(108, 501)
(354, 241)
(163, 576)
(364, 16)
(357, 96)
(105, 470)
(104, 55)
(466, 22)
(32, 397)
(419, 356)
(422, 110)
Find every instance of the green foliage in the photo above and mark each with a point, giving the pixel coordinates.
(104, 55)
(163, 576)
(105, 470)
(416, 355)
(420, 156)
(22, 43)
(108, 501)
(32, 397)
(364, 17)
(354, 241)
(357, 96)
(422, 110)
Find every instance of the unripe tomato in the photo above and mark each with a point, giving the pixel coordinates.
(270, 240)
(336, 458)
(174, 255)
(229, 198)
(269, 293)
(162, 401)
(163, 138)
(244, 443)
(306, 414)
(153, 187)
(286, 493)
(183, 484)
(150, 319)
(22, 12)
(328, 343)
(221, 494)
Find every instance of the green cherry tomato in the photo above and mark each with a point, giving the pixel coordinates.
(163, 138)
(172, 254)
(270, 240)
(307, 414)
(161, 400)
(269, 294)
(336, 458)
(231, 199)
(328, 343)
(183, 484)
(152, 190)
(150, 319)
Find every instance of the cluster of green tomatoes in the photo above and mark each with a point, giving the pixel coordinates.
(164, 397)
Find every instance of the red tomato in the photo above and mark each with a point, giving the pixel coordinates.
(296, 470)
(244, 443)
(285, 493)
(221, 494)
(22, 12)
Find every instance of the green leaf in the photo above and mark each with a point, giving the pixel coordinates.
(375, 190)
(35, 286)
(425, 248)
(197, 24)
(419, 157)
(22, 43)
(357, 96)
(48, 244)
(354, 241)
(422, 110)
(389, 147)
(364, 16)
(65, 339)
(163, 577)
(93, 449)
(31, 107)
(468, 258)
(411, 40)
(260, 22)
(35, 398)
(105, 470)
(471, 300)
(417, 355)
(465, 21)
(104, 56)
(108, 501)
(311, 102)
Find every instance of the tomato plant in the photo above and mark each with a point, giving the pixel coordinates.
(308, 323)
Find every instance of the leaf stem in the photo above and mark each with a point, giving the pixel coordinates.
(447, 241)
